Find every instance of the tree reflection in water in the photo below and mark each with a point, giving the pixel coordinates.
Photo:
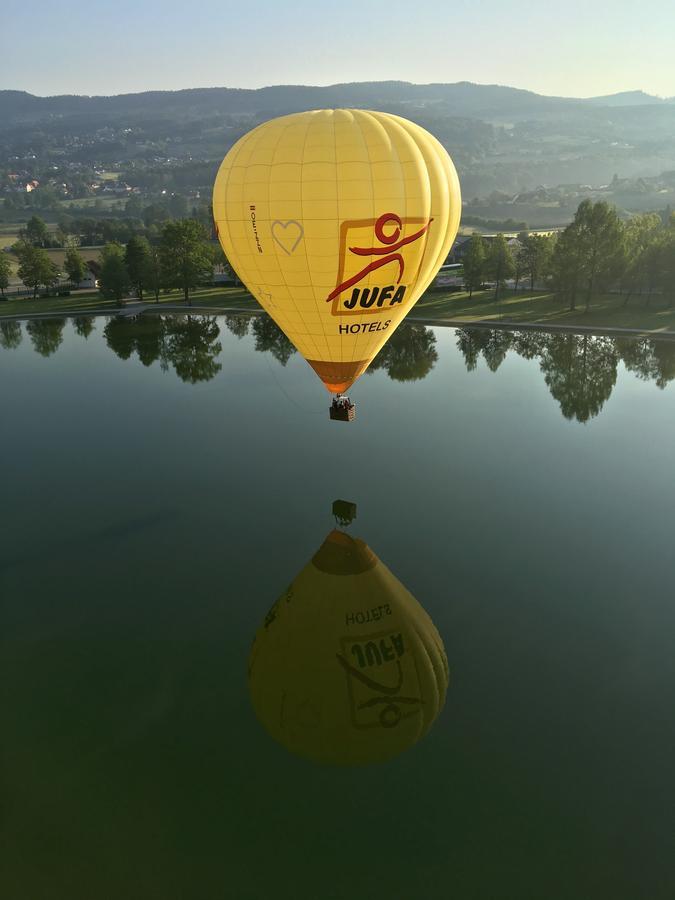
(84, 325)
(46, 335)
(188, 344)
(237, 324)
(192, 347)
(409, 354)
(269, 337)
(580, 370)
(10, 335)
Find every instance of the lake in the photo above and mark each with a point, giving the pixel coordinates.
(168, 495)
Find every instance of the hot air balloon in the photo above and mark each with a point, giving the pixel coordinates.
(347, 668)
(337, 221)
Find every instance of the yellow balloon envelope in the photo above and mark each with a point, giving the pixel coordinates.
(337, 221)
(347, 668)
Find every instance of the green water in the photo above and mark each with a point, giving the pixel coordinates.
(163, 482)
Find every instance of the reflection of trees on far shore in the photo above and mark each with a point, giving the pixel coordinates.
(492, 344)
(84, 325)
(580, 370)
(10, 335)
(409, 354)
(238, 324)
(189, 344)
(46, 335)
(270, 338)
(192, 347)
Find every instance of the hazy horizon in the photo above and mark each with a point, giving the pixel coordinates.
(235, 87)
(95, 49)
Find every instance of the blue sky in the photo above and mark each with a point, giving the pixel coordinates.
(571, 48)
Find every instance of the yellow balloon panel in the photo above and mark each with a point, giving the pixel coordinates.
(337, 221)
(347, 668)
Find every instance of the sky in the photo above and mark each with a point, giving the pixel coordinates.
(570, 48)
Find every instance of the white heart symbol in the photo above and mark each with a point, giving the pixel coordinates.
(287, 234)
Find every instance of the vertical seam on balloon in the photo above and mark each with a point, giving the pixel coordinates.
(357, 353)
(276, 255)
(308, 335)
(439, 253)
(442, 158)
(341, 342)
(418, 146)
(391, 120)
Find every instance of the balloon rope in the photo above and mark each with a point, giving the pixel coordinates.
(308, 412)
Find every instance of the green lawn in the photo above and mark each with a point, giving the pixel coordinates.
(214, 298)
(606, 310)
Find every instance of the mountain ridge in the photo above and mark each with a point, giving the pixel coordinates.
(466, 98)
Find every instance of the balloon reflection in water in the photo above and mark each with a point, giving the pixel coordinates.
(347, 667)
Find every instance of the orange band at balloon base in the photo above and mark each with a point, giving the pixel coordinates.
(338, 376)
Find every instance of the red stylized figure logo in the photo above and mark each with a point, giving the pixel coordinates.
(392, 242)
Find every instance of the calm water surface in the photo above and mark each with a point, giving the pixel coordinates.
(162, 485)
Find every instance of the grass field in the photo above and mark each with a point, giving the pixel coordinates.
(215, 298)
(58, 254)
(606, 311)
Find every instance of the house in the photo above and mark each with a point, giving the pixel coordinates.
(458, 249)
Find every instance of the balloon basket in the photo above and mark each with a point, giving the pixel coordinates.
(342, 414)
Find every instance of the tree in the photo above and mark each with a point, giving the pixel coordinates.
(154, 273)
(500, 265)
(10, 335)
(186, 255)
(566, 264)
(640, 233)
(474, 264)
(534, 255)
(35, 267)
(138, 261)
(113, 281)
(519, 260)
(666, 265)
(46, 335)
(5, 272)
(600, 243)
(75, 266)
(36, 232)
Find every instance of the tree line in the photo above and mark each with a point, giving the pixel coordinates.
(183, 257)
(596, 253)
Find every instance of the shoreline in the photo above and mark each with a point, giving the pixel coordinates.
(431, 321)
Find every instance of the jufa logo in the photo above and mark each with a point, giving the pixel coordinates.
(397, 251)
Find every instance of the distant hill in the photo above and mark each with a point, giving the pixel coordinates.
(501, 138)
(483, 101)
(630, 98)
(463, 98)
